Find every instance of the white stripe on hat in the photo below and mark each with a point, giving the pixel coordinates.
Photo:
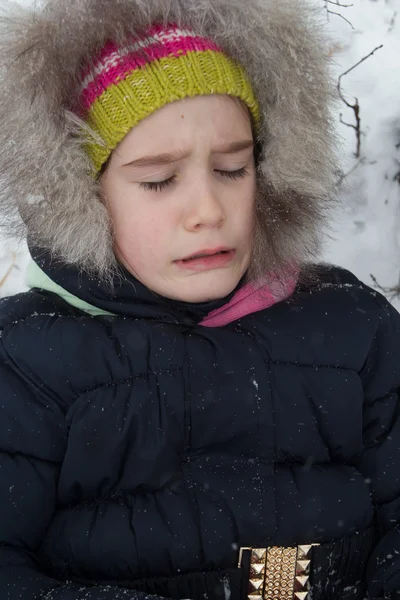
(168, 35)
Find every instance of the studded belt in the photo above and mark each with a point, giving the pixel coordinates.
(330, 571)
(277, 573)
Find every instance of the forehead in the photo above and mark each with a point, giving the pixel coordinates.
(213, 118)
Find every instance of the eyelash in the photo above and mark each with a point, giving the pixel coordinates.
(159, 186)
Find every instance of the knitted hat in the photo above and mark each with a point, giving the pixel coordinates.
(126, 84)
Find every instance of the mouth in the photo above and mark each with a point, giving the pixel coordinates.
(206, 260)
(206, 254)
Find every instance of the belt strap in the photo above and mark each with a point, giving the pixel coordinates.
(334, 570)
(206, 585)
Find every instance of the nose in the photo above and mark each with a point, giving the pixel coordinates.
(205, 211)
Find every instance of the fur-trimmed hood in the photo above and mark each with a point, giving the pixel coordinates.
(45, 173)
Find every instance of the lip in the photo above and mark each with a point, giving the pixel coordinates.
(205, 260)
(206, 252)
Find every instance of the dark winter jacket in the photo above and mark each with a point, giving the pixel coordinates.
(140, 450)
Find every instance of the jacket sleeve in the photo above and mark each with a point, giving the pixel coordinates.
(32, 446)
(380, 460)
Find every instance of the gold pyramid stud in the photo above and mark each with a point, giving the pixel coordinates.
(302, 566)
(303, 551)
(300, 595)
(255, 584)
(258, 554)
(302, 580)
(257, 569)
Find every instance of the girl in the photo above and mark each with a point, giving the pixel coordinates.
(189, 407)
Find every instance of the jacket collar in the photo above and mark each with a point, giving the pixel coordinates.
(126, 297)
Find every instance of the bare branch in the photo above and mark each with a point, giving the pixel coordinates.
(344, 176)
(390, 292)
(359, 62)
(7, 274)
(330, 12)
(355, 107)
(357, 127)
(392, 22)
(338, 4)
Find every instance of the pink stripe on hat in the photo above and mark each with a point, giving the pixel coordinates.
(115, 64)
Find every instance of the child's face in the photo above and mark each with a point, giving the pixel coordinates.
(183, 182)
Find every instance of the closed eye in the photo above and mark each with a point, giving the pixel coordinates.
(238, 174)
(159, 186)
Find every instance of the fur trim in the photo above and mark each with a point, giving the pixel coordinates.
(45, 173)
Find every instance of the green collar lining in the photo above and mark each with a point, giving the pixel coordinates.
(36, 278)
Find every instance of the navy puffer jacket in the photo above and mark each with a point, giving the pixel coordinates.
(139, 450)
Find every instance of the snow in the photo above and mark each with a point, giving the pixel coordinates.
(366, 231)
(365, 235)
(13, 262)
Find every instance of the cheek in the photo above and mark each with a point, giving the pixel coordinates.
(142, 237)
(138, 226)
(244, 210)
(246, 219)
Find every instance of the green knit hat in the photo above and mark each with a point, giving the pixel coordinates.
(127, 84)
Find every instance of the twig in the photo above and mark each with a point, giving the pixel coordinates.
(353, 168)
(10, 268)
(392, 21)
(355, 107)
(360, 61)
(391, 292)
(357, 127)
(397, 175)
(338, 4)
(331, 12)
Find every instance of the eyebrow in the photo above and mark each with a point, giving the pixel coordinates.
(167, 158)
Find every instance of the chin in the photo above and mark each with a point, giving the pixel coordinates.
(208, 291)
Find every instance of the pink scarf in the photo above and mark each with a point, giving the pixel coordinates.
(250, 299)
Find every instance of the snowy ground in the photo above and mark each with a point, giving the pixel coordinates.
(366, 230)
(366, 235)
